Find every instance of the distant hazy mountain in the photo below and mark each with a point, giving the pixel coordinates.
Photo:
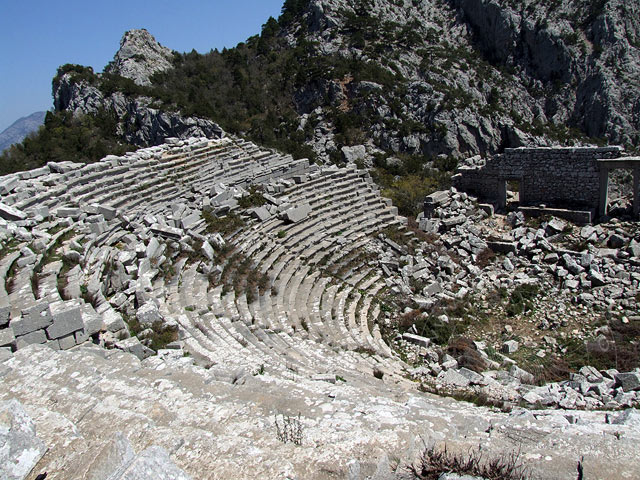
(20, 129)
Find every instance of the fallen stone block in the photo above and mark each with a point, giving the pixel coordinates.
(5, 312)
(148, 314)
(486, 208)
(453, 378)
(109, 213)
(297, 214)
(98, 228)
(261, 214)
(20, 448)
(112, 321)
(67, 318)
(416, 339)
(432, 290)
(190, 220)
(152, 248)
(207, 250)
(8, 185)
(510, 346)
(167, 232)
(91, 320)
(325, 377)
(522, 375)
(502, 247)
(555, 225)
(629, 381)
(451, 222)
(68, 212)
(10, 213)
(133, 345)
(473, 377)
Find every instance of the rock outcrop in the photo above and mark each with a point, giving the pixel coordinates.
(484, 75)
(140, 56)
(137, 121)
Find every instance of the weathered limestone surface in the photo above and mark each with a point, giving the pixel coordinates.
(213, 429)
(20, 447)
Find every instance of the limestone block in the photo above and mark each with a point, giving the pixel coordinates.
(30, 338)
(10, 213)
(7, 338)
(8, 185)
(41, 211)
(5, 312)
(148, 314)
(68, 212)
(190, 220)
(572, 265)
(520, 374)
(453, 378)
(628, 381)
(109, 213)
(261, 213)
(167, 232)
(133, 345)
(98, 228)
(325, 377)
(207, 250)
(112, 321)
(510, 346)
(416, 339)
(433, 289)
(297, 214)
(20, 448)
(152, 248)
(67, 342)
(67, 318)
(473, 377)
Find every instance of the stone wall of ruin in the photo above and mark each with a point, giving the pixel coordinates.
(551, 176)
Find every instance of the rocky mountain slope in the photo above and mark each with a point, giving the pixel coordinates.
(423, 77)
(19, 129)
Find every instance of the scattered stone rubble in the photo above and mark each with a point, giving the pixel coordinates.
(600, 274)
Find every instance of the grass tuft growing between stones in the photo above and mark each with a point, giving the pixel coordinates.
(436, 461)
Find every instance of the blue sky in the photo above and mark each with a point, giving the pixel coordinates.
(37, 36)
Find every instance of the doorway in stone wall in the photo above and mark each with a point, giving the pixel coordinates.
(620, 193)
(513, 189)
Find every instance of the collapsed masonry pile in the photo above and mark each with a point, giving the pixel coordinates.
(261, 304)
(580, 271)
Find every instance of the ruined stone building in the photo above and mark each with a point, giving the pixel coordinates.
(567, 178)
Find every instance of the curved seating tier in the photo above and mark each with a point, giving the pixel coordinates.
(317, 315)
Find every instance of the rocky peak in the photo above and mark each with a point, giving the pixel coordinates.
(139, 57)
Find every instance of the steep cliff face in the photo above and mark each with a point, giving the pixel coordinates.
(491, 74)
(140, 56)
(138, 123)
(591, 47)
